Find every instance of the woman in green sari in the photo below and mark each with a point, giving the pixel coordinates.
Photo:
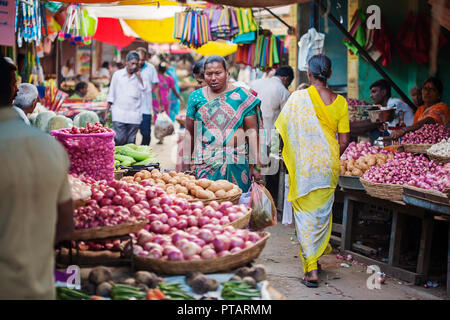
(220, 118)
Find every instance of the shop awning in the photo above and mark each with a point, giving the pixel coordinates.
(110, 31)
(136, 12)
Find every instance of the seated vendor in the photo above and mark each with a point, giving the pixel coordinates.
(81, 90)
(380, 93)
(433, 111)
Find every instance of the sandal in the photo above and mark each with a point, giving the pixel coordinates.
(310, 283)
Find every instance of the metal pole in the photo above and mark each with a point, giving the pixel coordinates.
(367, 56)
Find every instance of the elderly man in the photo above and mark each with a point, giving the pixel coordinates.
(35, 205)
(125, 97)
(26, 100)
(149, 75)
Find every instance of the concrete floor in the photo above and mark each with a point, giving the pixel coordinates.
(281, 259)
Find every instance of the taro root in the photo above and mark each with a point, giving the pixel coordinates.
(258, 272)
(250, 281)
(243, 272)
(145, 277)
(99, 275)
(104, 289)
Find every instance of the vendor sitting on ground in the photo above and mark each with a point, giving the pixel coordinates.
(81, 90)
(433, 111)
(380, 93)
(26, 100)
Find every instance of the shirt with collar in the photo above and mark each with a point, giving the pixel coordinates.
(150, 76)
(125, 95)
(22, 115)
(273, 95)
(34, 181)
(400, 106)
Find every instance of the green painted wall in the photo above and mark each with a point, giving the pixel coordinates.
(404, 75)
(334, 47)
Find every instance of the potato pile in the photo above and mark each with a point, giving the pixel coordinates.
(357, 168)
(187, 186)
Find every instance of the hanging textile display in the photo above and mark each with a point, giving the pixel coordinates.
(264, 53)
(192, 28)
(30, 22)
(223, 22)
(75, 28)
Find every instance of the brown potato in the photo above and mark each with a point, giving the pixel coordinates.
(357, 173)
(196, 190)
(181, 189)
(220, 193)
(342, 170)
(166, 177)
(173, 181)
(205, 194)
(138, 179)
(184, 181)
(227, 185)
(204, 183)
(183, 196)
(161, 185)
(160, 181)
(156, 174)
(191, 177)
(381, 161)
(348, 173)
(139, 174)
(171, 190)
(191, 185)
(173, 173)
(233, 192)
(128, 179)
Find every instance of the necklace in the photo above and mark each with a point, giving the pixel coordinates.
(208, 94)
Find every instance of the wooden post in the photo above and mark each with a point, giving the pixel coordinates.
(395, 239)
(423, 260)
(347, 224)
(352, 59)
(293, 47)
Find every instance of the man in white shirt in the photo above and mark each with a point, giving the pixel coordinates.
(380, 93)
(125, 97)
(150, 76)
(273, 94)
(26, 100)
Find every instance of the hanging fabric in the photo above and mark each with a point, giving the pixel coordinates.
(310, 44)
(29, 22)
(192, 28)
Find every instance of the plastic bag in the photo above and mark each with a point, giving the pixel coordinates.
(245, 199)
(163, 126)
(264, 211)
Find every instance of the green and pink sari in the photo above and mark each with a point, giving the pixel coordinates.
(216, 122)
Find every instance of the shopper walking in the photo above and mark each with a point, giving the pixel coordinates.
(35, 201)
(150, 76)
(222, 115)
(125, 97)
(308, 124)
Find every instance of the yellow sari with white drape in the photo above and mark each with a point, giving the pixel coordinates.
(311, 155)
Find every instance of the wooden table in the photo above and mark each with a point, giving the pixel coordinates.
(400, 209)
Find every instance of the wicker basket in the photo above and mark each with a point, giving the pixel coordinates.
(393, 192)
(243, 222)
(427, 195)
(225, 263)
(437, 158)
(106, 232)
(233, 199)
(416, 148)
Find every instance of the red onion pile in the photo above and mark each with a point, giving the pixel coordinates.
(89, 129)
(355, 151)
(111, 245)
(352, 103)
(428, 134)
(407, 169)
(92, 152)
(208, 242)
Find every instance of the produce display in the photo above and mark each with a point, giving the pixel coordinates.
(133, 155)
(207, 242)
(42, 119)
(358, 158)
(441, 149)
(79, 189)
(90, 149)
(416, 171)
(187, 186)
(428, 134)
(353, 113)
(58, 122)
(83, 118)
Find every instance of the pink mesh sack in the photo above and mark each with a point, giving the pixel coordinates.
(89, 154)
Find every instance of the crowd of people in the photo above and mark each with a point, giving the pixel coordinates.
(229, 125)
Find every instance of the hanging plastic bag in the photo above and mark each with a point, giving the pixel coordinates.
(264, 211)
(163, 126)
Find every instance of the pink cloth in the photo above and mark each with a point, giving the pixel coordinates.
(166, 83)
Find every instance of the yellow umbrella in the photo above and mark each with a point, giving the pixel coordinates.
(216, 47)
(158, 31)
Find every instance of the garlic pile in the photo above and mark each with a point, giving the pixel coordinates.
(79, 189)
(441, 149)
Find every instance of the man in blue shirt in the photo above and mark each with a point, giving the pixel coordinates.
(150, 76)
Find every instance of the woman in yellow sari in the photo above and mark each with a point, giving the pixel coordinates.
(433, 111)
(315, 130)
